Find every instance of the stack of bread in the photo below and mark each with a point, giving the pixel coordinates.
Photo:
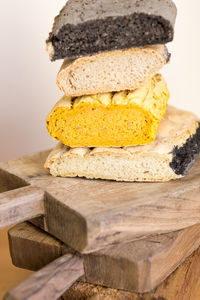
(114, 121)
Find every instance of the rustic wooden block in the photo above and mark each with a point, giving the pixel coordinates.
(31, 248)
(183, 284)
(137, 266)
(141, 265)
(90, 215)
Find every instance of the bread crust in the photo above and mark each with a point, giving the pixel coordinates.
(80, 11)
(86, 27)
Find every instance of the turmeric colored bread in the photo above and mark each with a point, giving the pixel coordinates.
(170, 156)
(125, 118)
(111, 71)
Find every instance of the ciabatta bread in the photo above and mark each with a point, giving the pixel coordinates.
(110, 119)
(111, 71)
(170, 156)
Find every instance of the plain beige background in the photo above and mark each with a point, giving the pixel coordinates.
(27, 77)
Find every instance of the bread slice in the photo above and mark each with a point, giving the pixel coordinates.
(110, 119)
(170, 156)
(111, 71)
(86, 27)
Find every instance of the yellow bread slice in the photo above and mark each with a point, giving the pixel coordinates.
(118, 119)
(170, 156)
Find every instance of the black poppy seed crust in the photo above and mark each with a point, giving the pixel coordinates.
(185, 156)
(111, 33)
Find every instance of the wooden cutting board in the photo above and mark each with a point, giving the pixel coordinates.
(138, 266)
(89, 215)
(183, 284)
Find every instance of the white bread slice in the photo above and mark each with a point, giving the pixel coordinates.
(111, 71)
(169, 157)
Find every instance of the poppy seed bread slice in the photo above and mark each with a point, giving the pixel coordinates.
(110, 119)
(170, 156)
(111, 71)
(86, 27)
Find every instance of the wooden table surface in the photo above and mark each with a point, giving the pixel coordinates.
(9, 275)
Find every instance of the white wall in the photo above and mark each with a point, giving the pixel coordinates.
(27, 77)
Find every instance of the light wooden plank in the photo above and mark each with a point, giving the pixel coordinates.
(20, 205)
(51, 281)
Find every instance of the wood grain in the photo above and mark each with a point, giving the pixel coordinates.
(90, 215)
(20, 205)
(137, 266)
(51, 281)
(10, 182)
(39, 222)
(141, 265)
(183, 284)
(42, 248)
